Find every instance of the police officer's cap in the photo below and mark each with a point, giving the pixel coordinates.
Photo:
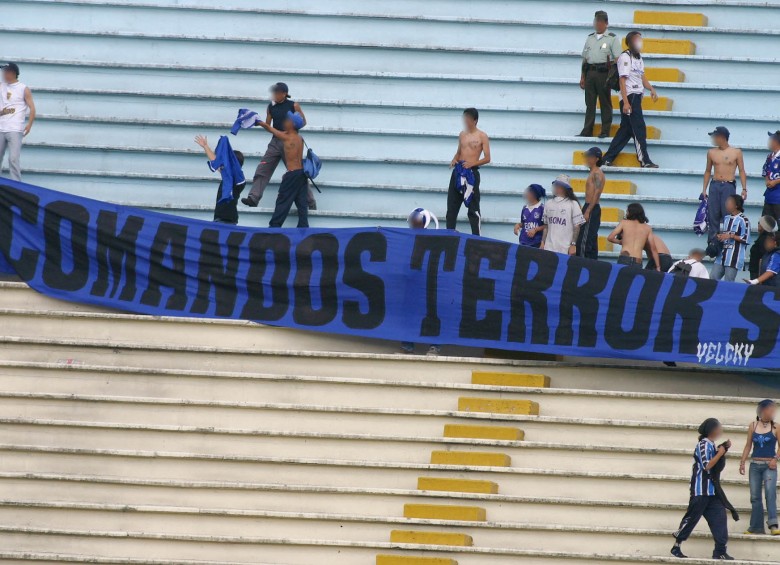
(601, 15)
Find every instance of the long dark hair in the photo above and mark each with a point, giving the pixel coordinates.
(707, 426)
(568, 192)
(636, 211)
(763, 405)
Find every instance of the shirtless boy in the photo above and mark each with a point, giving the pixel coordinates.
(588, 240)
(725, 160)
(664, 254)
(294, 186)
(634, 234)
(473, 152)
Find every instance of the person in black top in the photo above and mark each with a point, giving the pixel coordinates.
(225, 212)
(277, 114)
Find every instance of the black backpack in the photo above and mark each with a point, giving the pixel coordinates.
(613, 76)
(682, 269)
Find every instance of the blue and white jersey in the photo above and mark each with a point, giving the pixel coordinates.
(701, 483)
(771, 171)
(733, 254)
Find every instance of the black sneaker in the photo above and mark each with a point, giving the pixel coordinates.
(604, 135)
(584, 134)
(650, 165)
(606, 164)
(724, 557)
(249, 202)
(677, 552)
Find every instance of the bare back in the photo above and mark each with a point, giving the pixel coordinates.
(724, 163)
(660, 245)
(635, 237)
(472, 145)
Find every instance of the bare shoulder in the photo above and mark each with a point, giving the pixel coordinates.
(483, 136)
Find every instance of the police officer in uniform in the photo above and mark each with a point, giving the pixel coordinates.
(602, 48)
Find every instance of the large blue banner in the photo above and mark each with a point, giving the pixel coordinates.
(423, 286)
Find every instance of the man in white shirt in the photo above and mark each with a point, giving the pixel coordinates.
(697, 269)
(633, 82)
(16, 102)
(562, 218)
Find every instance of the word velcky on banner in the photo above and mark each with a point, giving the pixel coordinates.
(429, 287)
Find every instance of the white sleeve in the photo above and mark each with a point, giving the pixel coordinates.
(624, 64)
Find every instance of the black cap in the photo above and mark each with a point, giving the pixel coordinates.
(281, 87)
(13, 67)
(601, 15)
(721, 130)
(594, 152)
(774, 135)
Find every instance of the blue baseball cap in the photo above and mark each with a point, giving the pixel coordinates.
(296, 118)
(774, 135)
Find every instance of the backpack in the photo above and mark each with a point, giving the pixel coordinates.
(312, 165)
(613, 76)
(682, 269)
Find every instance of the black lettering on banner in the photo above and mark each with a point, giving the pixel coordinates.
(583, 297)
(766, 319)
(116, 255)
(688, 309)
(260, 245)
(433, 246)
(26, 264)
(637, 335)
(372, 286)
(174, 237)
(527, 289)
(476, 289)
(217, 272)
(327, 247)
(60, 216)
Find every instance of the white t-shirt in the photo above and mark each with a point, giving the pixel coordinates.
(561, 215)
(633, 70)
(698, 271)
(15, 108)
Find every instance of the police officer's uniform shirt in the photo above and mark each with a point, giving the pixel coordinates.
(561, 215)
(633, 69)
(601, 47)
(771, 171)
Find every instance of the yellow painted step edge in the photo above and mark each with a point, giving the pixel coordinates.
(498, 406)
(663, 74)
(622, 160)
(409, 560)
(442, 512)
(471, 458)
(691, 19)
(605, 245)
(667, 46)
(457, 485)
(609, 214)
(509, 379)
(506, 433)
(431, 538)
(611, 186)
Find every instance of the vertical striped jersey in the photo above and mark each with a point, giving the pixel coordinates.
(701, 483)
(733, 254)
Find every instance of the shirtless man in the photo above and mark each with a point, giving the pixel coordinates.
(664, 255)
(473, 152)
(295, 185)
(588, 240)
(725, 160)
(634, 234)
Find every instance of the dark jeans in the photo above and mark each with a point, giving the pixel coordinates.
(631, 126)
(630, 261)
(711, 509)
(771, 210)
(455, 201)
(716, 205)
(292, 190)
(274, 154)
(596, 89)
(666, 262)
(588, 239)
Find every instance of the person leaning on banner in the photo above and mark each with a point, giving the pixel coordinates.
(767, 227)
(771, 174)
(602, 49)
(633, 82)
(692, 266)
(770, 263)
